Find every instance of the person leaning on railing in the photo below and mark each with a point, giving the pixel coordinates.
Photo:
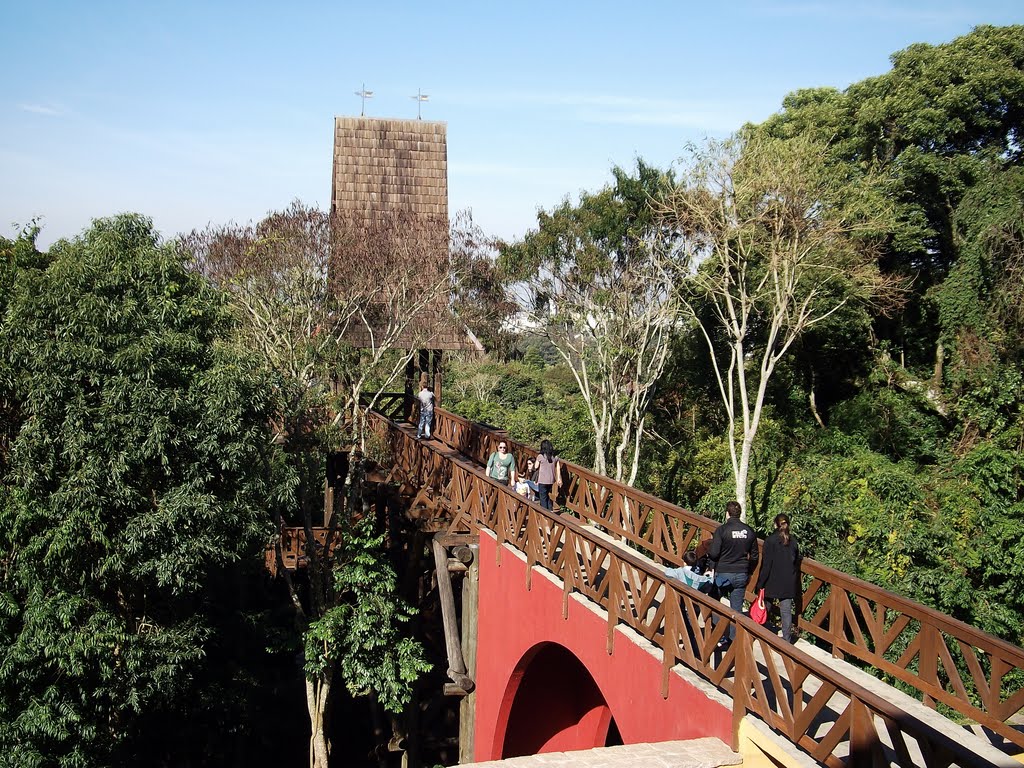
(526, 483)
(690, 574)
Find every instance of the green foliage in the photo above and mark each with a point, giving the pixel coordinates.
(696, 475)
(941, 121)
(597, 278)
(981, 303)
(948, 535)
(136, 477)
(929, 504)
(519, 386)
(991, 403)
(531, 402)
(360, 634)
(595, 237)
(915, 480)
(895, 424)
(533, 358)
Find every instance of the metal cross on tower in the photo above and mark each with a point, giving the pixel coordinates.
(420, 98)
(364, 95)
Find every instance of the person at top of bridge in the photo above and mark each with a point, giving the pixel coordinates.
(549, 470)
(501, 465)
(780, 572)
(734, 554)
(426, 398)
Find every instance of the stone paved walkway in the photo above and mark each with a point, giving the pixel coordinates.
(695, 753)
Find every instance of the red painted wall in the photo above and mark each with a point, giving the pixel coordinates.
(546, 684)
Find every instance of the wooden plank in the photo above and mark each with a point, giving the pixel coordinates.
(453, 644)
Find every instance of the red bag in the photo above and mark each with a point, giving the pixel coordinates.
(758, 610)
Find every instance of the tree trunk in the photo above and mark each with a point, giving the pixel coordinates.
(940, 359)
(317, 693)
(814, 404)
(741, 475)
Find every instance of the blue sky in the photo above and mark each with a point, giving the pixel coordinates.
(206, 112)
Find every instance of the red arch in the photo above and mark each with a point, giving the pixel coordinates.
(524, 639)
(551, 704)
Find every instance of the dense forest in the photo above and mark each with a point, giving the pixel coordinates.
(820, 315)
(892, 426)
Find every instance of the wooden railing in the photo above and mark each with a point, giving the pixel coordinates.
(946, 660)
(292, 546)
(836, 721)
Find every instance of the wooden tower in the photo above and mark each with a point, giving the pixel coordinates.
(394, 173)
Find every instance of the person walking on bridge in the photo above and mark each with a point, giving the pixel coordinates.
(780, 572)
(501, 465)
(426, 398)
(734, 554)
(548, 472)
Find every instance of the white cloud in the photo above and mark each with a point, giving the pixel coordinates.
(43, 109)
(692, 118)
(925, 13)
(502, 170)
(611, 109)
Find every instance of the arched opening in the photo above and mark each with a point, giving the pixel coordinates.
(554, 705)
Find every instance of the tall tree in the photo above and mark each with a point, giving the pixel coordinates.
(935, 125)
(780, 243)
(334, 309)
(135, 479)
(479, 297)
(597, 279)
(330, 304)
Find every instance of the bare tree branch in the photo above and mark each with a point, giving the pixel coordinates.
(779, 248)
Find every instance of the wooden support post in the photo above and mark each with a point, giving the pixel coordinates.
(835, 621)
(864, 742)
(613, 601)
(742, 681)
(437, 371)
(928, 660)
(456, 664)
(470, 605)
(328, 504)
(410, 392)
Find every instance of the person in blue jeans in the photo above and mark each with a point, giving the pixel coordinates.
(734, 554)
(549, 471)
(426, 398)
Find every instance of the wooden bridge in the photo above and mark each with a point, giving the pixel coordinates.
(611, 543)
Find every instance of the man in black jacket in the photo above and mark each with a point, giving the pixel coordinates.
(734, 554)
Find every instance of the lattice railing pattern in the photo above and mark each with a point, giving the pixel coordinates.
(911, 642)
(835, 720)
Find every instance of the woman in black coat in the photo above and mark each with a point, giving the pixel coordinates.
(780, 572)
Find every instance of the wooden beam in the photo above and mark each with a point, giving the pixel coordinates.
(456, 664)
(470, 604)
(458, 539)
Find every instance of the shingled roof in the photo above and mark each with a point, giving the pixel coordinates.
(397, 170)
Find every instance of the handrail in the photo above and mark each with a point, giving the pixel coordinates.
(909, 641)
(835, 720)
